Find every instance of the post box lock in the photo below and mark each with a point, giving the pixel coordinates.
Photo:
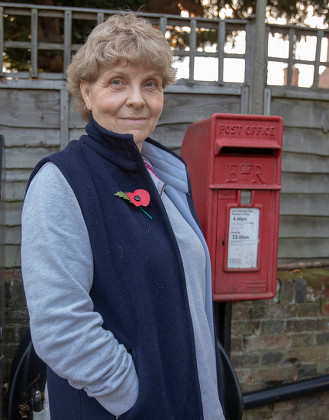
(235, 168)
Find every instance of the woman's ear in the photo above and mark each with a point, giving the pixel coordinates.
(85, 90)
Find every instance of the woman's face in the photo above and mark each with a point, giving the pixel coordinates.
(126, 99)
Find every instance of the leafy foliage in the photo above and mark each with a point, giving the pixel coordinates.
(293, 11)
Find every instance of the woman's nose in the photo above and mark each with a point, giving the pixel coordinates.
(135, 97)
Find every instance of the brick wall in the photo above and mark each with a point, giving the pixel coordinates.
(16, 316)
(285, 340)
(274, 342)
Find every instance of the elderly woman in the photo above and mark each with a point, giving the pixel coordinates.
(116, 270)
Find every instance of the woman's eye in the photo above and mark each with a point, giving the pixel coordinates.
(150, 84)
(116, 82)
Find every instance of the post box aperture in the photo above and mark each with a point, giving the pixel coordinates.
(234, 163)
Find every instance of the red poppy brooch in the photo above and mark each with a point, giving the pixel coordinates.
(139, 198)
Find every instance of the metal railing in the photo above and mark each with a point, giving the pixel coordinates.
(285, 392)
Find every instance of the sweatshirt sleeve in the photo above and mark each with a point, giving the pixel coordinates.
(57, 268)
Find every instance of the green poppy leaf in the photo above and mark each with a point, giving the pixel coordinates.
(122, 195)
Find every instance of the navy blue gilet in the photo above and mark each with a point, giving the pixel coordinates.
(139, 285)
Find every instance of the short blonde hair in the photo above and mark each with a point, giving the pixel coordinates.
(122, 36)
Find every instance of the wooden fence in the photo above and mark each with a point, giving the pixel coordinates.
(37, 114)
(2, 275)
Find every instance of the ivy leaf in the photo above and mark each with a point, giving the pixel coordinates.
(122, 195)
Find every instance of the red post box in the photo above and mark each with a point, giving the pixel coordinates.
(235, 168)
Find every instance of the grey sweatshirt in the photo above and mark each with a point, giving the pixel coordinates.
(56, 278)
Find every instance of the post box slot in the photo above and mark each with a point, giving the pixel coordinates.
(231, 150)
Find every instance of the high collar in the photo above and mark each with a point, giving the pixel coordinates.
(121, 150)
